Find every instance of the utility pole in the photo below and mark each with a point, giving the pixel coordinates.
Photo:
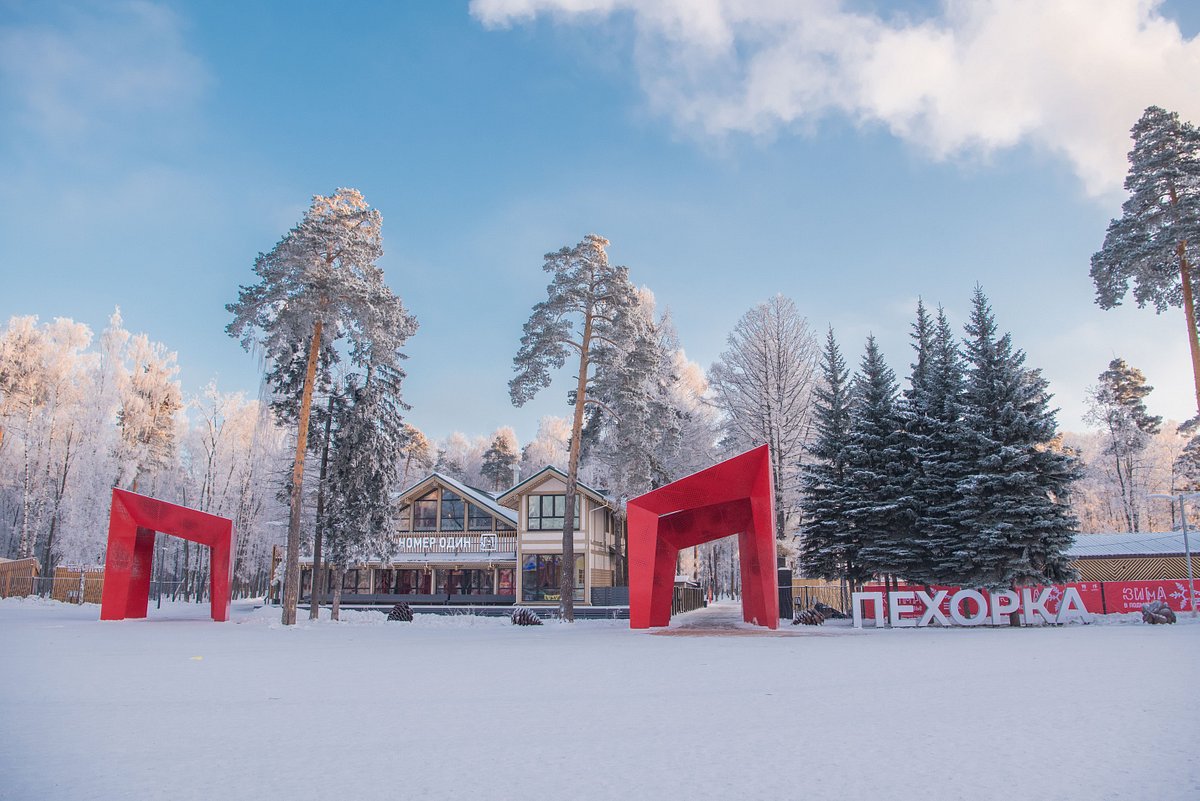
(1187, 550)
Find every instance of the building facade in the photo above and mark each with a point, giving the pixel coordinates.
(457, 544)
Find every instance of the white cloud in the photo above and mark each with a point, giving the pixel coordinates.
(98, 72)
(1066, 76)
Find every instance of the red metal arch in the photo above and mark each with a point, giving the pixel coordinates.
(132, 522)
(733, 497)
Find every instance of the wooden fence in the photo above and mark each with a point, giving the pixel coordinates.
(17, 578)
(78, 584)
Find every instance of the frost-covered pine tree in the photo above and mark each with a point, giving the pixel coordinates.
(635, 436)
(1156, 242)
(1117, 405)
(877, 506)
(830, 544)
(1015, 502)
(587, 304)
(318, 284)
(500, 459)
(763, 383)
(418, 454)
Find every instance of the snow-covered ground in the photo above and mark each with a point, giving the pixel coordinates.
(177, 707)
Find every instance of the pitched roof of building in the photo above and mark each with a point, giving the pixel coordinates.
(477, 496)
(541, 475)
(1138, 543)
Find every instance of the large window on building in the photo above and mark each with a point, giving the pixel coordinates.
(452, 511)
(356, 582)
(465, 582)
(413, 582)
(425, 513)
(540, 577)
(547, 512)
(477, 519)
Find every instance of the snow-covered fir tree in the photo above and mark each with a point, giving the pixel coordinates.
(1015, 502)
(937, 459)
(363, 471)
(829, 546)
(875, 469)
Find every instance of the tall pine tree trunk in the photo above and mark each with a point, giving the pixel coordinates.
(566, 602)
(314, 607)
(1189, 308)
(339, 576)
(291, 575)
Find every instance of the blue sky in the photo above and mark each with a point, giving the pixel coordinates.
(150, 150)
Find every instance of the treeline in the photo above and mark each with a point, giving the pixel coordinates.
(78, 417)
(961, 477)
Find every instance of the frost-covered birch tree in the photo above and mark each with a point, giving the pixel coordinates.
(148, 418)
(320, 283)
(763, 384)
(586, 306)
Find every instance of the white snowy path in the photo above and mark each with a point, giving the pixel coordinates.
(176, 707)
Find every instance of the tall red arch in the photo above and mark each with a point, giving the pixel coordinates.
(732, 497)
(132, 521)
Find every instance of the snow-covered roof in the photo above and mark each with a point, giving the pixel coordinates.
(476, 496)
(549, 470)
(1139, 543)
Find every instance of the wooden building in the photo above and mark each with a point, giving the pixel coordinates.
(458, 544)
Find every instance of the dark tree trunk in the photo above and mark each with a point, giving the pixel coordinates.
(291, 576)
(314, 607)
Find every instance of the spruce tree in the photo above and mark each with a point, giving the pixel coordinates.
(944, 462)
(916, 429)
(829, 547)
(874, 458)
(1014, 502)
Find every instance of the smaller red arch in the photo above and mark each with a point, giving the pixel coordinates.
(132, 521)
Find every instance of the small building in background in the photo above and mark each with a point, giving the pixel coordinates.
(1139, 556)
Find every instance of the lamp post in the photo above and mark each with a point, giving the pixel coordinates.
(1187, 551)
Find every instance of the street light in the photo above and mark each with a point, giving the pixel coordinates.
(1187, 551)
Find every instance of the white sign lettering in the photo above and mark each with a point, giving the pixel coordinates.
(969, 607)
